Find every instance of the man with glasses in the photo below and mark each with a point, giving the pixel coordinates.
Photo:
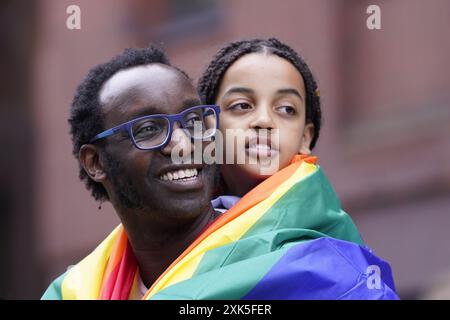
(126, 118)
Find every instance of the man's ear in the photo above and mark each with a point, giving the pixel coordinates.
(308, 135)
(89, 156)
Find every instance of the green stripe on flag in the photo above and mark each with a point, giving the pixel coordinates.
(54, 292)
(229, 282)
(309, 210)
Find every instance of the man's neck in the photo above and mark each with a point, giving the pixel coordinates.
(156, 246)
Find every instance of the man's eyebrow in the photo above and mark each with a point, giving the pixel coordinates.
(145, 111)
(290, 91)
(239, 90)
(149, 110)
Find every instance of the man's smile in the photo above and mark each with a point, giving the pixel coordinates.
(182, 177)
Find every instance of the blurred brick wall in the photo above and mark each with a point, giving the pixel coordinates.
(385, 101)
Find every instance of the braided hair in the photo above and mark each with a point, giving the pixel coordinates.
(209, 82)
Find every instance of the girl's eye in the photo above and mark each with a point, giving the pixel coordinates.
(242, 106)
(287, 110)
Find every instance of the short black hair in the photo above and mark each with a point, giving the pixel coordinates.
(86, 119)
(209, 83)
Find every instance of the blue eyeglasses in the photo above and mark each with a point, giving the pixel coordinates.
(155, 131)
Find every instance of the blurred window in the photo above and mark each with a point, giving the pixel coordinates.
(176, 20)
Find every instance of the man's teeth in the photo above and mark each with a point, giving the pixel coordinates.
(182, 175)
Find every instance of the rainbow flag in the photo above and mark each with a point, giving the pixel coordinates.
(288, 238)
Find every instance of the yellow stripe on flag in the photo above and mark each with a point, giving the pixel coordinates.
(83, 281)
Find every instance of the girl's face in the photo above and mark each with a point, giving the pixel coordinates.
(262, 91)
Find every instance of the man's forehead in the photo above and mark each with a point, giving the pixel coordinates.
(153, 77)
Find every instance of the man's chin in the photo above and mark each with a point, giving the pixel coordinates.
(179, 200)
(184, 209)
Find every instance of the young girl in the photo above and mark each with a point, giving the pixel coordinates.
(262, 84)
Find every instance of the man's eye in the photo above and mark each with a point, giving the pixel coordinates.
(192, 118)
(242, 106)
(287, 110)
(147, 130)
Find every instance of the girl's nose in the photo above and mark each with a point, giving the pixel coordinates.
(262, 118)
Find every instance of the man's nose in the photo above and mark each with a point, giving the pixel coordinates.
(179, 140)
(262, 118)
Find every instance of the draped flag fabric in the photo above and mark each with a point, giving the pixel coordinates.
(288, 238)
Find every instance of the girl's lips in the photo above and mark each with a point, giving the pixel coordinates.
(259, 140)
(261, 151)
(260, 147)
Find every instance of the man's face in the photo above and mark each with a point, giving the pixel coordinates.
(138, 179)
